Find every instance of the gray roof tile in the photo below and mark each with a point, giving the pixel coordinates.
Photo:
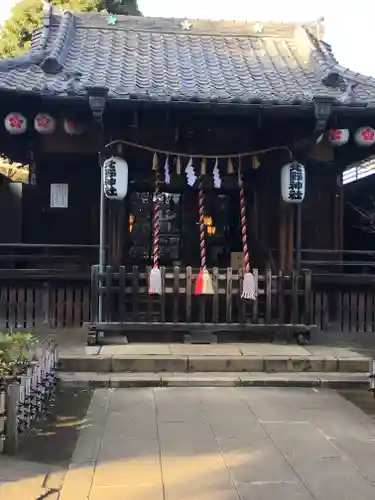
(156, 59)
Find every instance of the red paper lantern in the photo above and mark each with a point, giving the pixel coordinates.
(338, 136)
(44, 123)
(72, 127)
(15, 123)
(365, 137)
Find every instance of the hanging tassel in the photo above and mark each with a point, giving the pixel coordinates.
(155, 162)
(167, 174)
(155, 284)
(255, 162)
(178, 166)
(248, 285)
(203, 166)
(216, 175)
(230, 168)
(190, 173)
(203, 283)
(199, 283)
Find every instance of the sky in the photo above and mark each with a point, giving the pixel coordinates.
(349, 26)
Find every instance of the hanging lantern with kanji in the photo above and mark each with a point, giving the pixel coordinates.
(338, 136)
(73, 127)
(365, 137)
(115, 178)
(44, 123)
(15, 123)
(293, 182)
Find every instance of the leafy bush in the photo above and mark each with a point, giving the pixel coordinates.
(14, 351)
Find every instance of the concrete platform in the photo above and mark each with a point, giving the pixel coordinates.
(91, 380)
(269, 358)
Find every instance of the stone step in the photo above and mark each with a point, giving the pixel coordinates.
(99, 363)
(91, 380)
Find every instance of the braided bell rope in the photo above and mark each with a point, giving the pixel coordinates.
(201, 225)
(156, 218)
(243, 221)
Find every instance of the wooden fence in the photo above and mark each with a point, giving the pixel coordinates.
(344, 302)
(63, 299)
(29, 298)
(280, 299)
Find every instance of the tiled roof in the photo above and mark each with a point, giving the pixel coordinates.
(161, 60)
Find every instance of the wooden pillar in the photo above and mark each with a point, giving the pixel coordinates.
(338, 215)
(286, 237)
(254, 216)
(290, 239)
(298, 236)
(115, 232)
(282, 236)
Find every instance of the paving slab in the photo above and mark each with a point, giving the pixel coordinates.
(137, 349)
(147, 363)
(267, 349)
(126, 493)
(225, 363)
(206, 350)
(272, 490)
(336, 351)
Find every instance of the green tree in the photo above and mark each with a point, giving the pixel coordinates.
(123, 7)
(26, 16)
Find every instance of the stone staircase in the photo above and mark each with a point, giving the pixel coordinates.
(145, 365)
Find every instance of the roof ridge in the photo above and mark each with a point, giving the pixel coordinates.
(54, 62)
(197, 26)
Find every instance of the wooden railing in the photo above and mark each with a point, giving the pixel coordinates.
(45, 256)
(330, 261)
(281, 299)
(344, 302)
(33, 297)
(65, 299)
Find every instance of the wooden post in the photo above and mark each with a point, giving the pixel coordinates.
(294, 297)
(255, 302)
(108, 297)
(282, 236)
(46, 303)
(94, 316)
(286, 237)
(12, 404)
(298, 237)
(289, 239)
(338, 218)
(308, 297)
(268, 296)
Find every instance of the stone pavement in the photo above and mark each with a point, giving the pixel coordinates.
(219, 444)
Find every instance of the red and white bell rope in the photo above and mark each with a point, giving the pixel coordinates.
(248, 286)
(203, 284)
(155, 284)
